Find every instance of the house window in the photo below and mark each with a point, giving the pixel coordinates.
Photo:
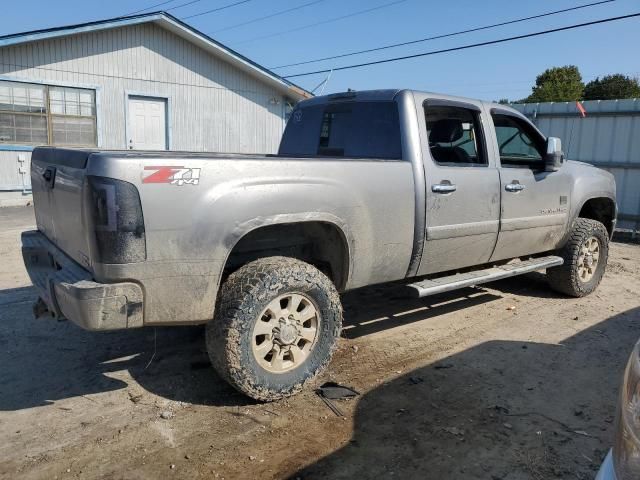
(23, 113)
(47, 115)
(73, 116)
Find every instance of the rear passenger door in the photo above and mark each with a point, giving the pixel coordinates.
(534, 202)
(463, 203)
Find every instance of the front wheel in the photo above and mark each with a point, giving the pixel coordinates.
(585, 259)
(275, 328)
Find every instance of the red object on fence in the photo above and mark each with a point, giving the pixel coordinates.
(583, 112)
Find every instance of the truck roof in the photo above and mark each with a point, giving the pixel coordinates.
(390, 94)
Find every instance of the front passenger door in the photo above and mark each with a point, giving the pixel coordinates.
(534, 204)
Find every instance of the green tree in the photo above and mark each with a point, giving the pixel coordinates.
(504, 101)
(612, 87)
(558, 84)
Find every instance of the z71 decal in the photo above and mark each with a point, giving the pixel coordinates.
(172, 175)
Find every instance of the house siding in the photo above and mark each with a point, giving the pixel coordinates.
(214, 105)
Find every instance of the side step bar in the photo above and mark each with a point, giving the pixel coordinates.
(471, 279)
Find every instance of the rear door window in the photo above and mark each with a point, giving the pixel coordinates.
(350, 129)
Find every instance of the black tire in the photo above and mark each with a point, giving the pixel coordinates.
(242, 299)
(565, 278)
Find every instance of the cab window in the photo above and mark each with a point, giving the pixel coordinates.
(518, 143)
(455, 136)
(344, 129)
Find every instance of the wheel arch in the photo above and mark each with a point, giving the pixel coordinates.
(600, 208)
(321, 240)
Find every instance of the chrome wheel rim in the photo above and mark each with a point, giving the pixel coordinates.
(286, 332)
(588, 259)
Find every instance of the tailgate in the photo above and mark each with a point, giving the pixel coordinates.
(57, 178)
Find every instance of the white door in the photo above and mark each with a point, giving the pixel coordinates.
(147, 123)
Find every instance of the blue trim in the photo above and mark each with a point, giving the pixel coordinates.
(17, 189)
(35, 35)
(98, 106)
(169, 125)
(16, 148)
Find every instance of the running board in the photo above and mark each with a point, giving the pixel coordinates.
(471, 279)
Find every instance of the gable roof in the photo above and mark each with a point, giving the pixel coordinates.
(176, 26)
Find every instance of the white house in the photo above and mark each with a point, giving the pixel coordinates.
(140, 82)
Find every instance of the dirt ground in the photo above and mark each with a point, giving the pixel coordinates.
(510, 381)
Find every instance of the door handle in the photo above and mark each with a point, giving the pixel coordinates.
(443, 188)
(49, 176)
(514, 187)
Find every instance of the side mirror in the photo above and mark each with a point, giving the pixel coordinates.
(554, 156)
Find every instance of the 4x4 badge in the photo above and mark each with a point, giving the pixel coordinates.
(173, 175)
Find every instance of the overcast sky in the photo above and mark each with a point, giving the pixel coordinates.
(493, 72)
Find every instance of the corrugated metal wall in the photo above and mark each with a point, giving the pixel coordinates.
(609, 137)
(213, 105)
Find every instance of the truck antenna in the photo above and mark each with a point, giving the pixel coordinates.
(323, 84)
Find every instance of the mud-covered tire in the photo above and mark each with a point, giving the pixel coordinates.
(566, 278)
(243, 298)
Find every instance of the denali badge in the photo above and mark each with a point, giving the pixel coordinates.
(552, 211)
(173, 175)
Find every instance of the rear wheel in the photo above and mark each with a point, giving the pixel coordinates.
(275, 328)
(585, 258)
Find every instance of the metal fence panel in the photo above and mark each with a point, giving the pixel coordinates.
(608, 137)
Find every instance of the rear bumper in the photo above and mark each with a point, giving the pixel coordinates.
(68, 290)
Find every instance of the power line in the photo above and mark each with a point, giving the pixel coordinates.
(464, 47)
(150, 7)
(164, 3)
(445, 35)
(183, 5)
(217, 9)
(282, 12)
(331, 20)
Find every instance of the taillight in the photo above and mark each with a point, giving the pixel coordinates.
(116, 217)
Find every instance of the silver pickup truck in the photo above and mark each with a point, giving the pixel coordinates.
(368, 187)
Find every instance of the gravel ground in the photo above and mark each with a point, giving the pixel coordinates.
(509, 381)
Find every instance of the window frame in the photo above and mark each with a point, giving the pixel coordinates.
(530, 130)
(476, 112)
(17, 113)
(49, 115)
